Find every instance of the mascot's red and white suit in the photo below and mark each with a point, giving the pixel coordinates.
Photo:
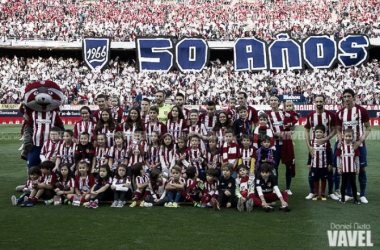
(42, 100)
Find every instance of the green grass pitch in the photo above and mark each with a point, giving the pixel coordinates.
(63, 227)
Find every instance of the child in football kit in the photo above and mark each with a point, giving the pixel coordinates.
(85, 150)
(44, 187)
(167, 154)
(242, 126)
(247, 153)
(320, 164)
(210, 191)
(83, 184)
(34, 175)
(64, 185)
(291, 116)
(102, 183)
(153, 157)
(141, 185)
(193, 183)
(262, 130)
(264, 196)
(230, 151)
(226, 187)
(136, 150)
(117, 154)
(265, 154)
(175, 186)
(213, 154)
(244, 189)
(50, 147)
(101, 154)
(121, 184)
(195, 156)
(348, 165)
(66, 150)
(158, 194)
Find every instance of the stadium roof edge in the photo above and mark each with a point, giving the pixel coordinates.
(76, 45)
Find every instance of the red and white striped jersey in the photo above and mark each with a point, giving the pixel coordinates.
(145, 118)
(246, 156)
(221, 135)
(354, 119)
(153, 155)
(176, 129)
(181, 180)
(141, 179)
(101, 155)
(186, 114)
(347, 155)
(96, 116)
(192, 187)
(232, 114)
(67, 183)
(213, 159)
(200, 129)
(128, 134)
(66, 153)
(208, 121)
(276, 123)
(117, 155)
(109, 135)
(150, 127)
(195, 157)
(256, 135)
(322, 154)
(82, 126)
(50, 149)
(167, 157)
(134, 153)
(157, 189)
(327, 118)
(49, 179)
(211, 188)
(230, 153)
(84, 184)
(117, 113)
(42, 122)
(30, 181)
(125, 180)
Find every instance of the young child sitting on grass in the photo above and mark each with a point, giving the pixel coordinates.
(34, 176)
(226, 187)
(45, 185)
(265, 184)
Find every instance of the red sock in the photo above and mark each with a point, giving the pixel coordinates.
(29, 199)
(137, 196)
(35, 199)
(146, 193)
(83, 200)
(323, 184)
(187, 196)
(72, 199)
(316, 187)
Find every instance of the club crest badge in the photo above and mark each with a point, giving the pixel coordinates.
(96, 52)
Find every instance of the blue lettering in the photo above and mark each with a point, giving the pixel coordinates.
(319, 52)
(192, 54)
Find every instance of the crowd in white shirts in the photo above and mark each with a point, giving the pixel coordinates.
(218, 82)
(67, 20)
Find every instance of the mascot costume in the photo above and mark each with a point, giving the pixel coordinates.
(42, 100)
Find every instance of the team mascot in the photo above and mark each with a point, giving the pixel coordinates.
(42, 100)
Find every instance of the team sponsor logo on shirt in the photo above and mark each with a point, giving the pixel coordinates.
(350, 123)
(43, 121)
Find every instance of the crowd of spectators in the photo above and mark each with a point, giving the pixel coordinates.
(218, 82)
(67, 20)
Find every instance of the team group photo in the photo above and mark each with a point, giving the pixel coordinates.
(246, 123)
